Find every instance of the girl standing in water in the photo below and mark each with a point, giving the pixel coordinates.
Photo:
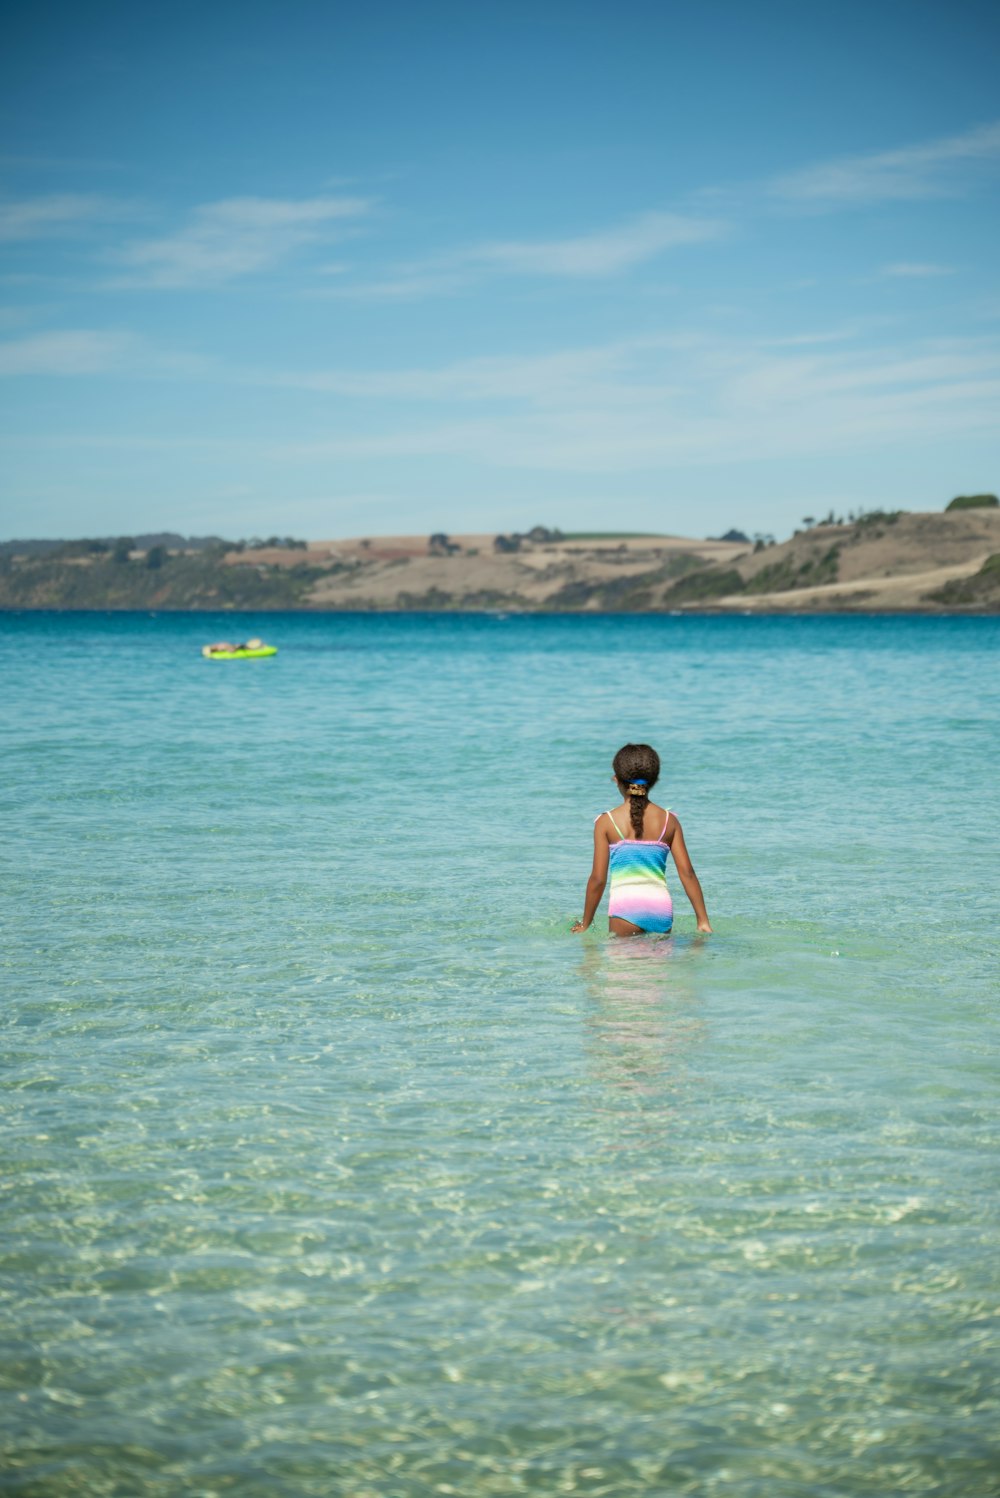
(635, 841)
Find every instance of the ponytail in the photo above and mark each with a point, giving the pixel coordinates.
(637, 769)
(638, 795)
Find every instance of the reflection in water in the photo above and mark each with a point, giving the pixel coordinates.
(645, 1017)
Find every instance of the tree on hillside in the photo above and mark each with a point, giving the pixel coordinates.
(973, 502)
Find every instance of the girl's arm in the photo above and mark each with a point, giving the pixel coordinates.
(598, 879)
(688, 877)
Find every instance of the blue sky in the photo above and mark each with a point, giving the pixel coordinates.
(326, 270)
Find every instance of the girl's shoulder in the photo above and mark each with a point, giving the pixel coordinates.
(609, 817)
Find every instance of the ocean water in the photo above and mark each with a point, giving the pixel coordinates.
(333, 1164)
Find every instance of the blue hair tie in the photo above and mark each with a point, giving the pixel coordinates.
(640, 782)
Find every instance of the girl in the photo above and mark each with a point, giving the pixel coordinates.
(635, 840)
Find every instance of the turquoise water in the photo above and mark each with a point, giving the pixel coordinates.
(333, 1164)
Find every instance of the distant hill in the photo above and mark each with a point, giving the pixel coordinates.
(74, 575)
(169, 539)
(883, 561)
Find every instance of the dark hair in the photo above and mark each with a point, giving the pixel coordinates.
(637, 769)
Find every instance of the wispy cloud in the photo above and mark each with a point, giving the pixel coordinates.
(603, 253)
(399, 284)
(235, 237)
(652, 403)
(917, 269)
(935, 168)
(80, 351)
(115, 352)
(543, 379)
(932, 169)
(51, 214)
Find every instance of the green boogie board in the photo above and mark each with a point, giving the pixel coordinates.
(238, 655)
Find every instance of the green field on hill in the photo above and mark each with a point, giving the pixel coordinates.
(612, 536)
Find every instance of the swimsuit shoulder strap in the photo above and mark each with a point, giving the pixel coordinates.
(666, 824)
(615, 825)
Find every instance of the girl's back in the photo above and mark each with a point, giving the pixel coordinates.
(655, 820)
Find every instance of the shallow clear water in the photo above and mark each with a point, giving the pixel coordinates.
(334, 1164)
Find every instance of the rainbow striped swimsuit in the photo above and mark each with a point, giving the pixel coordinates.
(638, 874)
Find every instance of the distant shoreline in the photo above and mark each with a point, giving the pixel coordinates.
(882, 562)
(582, 614)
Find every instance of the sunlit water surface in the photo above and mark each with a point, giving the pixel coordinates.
(333, 1164)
